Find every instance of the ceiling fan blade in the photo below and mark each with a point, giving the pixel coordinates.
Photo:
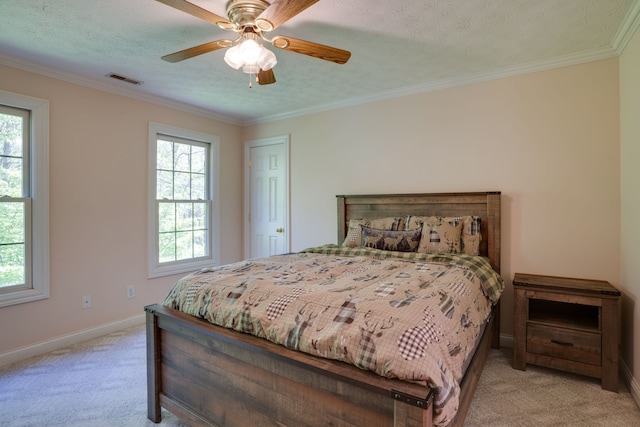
(280, 12)
(316, 50)
(198, 12)
(266, 77)
(197, 50)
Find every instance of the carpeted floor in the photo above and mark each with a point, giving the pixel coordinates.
(545, 397)
(102, 383)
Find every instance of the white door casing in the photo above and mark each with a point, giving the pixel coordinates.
(267, 197)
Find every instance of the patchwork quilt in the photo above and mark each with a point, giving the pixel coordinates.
(406, 315)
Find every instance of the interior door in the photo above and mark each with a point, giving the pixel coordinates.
(267, 222)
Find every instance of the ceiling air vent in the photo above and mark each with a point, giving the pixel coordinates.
(124, 79)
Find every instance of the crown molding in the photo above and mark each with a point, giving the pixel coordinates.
(115, 89)
(628, 28)
(500, 73)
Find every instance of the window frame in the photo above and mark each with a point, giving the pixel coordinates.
(154, 267)
(37, 207)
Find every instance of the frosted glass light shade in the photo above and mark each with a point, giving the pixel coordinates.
(250, 68)
(250, 56)
(267, 59)
(233, 57)
(250, 50)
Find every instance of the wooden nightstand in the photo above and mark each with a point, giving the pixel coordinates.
(567, 324)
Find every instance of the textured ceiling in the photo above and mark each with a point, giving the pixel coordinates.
(397, 47)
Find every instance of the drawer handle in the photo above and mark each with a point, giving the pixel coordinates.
(566, 344)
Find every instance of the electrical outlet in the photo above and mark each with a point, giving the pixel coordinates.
(86, 301)
(131, 291)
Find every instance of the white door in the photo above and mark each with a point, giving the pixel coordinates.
(267, 226)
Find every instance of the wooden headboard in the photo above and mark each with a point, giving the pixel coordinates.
(486, 205)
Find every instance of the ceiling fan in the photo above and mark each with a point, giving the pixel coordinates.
(251, 19)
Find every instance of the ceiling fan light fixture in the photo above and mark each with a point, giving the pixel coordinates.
(251, 19)
(267, 59)
(250, 55)
(233, 57)
(250, 68)
(250, 51)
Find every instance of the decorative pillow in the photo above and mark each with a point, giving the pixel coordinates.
(440, 235)
(354, 233)
(389, 240)
(471, 237)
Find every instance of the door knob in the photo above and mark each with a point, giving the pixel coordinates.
(279, 230)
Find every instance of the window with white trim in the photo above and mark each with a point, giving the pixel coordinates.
(24, 199)
(183, 200)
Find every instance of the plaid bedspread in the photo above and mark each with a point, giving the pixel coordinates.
(416, 317)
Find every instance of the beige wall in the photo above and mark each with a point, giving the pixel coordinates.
(630, 198)
(547, 140)
(98, 190)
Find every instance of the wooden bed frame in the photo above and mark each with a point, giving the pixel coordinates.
(212, 376)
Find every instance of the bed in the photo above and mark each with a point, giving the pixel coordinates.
(210, 375)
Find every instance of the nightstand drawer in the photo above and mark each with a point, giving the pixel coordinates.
(568, 344)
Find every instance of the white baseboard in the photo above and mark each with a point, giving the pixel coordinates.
(68, 340)
(630, 381)
(506, 340)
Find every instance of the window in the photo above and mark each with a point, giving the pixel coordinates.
(183, 200)
(24, 199)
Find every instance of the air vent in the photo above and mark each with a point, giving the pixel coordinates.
(124, 79)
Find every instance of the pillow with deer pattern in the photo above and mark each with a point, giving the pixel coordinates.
(440, 235)
(391, 240)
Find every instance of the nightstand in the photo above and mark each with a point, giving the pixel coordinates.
(567, 324)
